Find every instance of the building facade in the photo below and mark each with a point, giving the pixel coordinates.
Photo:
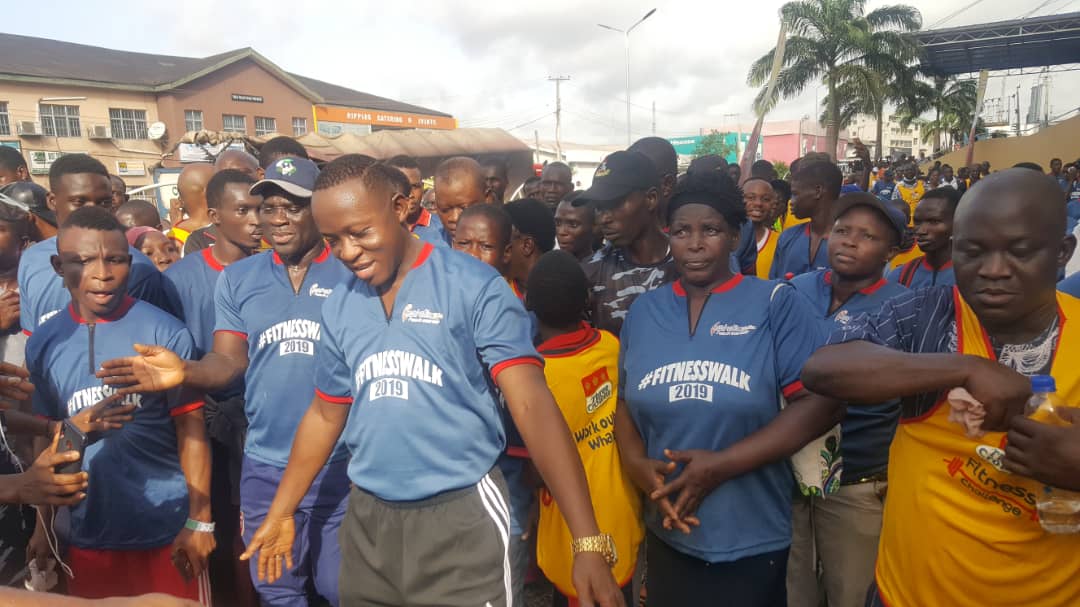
(58, 98)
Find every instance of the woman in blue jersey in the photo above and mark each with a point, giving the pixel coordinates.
(706, 363)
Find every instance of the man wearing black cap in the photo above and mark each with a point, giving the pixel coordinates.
(842, 530)
(36, 199)
(625, 194)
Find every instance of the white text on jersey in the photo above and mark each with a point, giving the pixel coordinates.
(296, 328)
(396, 363)
(697, 371)
(88, 397)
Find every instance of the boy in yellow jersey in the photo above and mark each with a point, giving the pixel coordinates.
(760, 200)
(960, 524)
(582, 369)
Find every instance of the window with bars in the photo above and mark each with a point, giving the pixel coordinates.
(265, 126)
(60, 120)
(5, 121)
(193, 120)
(127, 124)
(233, 123)
(299, 126)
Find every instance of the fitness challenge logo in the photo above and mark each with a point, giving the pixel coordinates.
(984, 476)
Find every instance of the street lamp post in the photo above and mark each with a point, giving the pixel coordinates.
(626, 38)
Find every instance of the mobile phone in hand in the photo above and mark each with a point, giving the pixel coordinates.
(71, 439)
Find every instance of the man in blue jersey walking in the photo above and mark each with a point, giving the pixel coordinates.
(413, 344)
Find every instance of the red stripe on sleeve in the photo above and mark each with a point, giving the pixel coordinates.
(188, 408)
(337, 400)
(27, 333)
(792, 388)
(236, 333)
(513, 362)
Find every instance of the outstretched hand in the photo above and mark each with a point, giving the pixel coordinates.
(155, 369)
(272, 543)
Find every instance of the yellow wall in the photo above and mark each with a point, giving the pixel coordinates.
(1058, 141)
(23, 100)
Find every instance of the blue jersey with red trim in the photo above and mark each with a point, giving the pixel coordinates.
(137, 495)
(191, 284)
(867, 430)
(42, 293)
(425, 411)
(256, 300)
(710, 387)
(923, 275)
(429, 228)
(792, 255)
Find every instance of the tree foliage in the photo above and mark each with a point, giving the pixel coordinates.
(838, 42)
(714, 143)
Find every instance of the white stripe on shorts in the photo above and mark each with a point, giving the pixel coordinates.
(496, 508)
(204, 589)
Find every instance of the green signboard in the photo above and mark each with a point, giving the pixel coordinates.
(686, 146)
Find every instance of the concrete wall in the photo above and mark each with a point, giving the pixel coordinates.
(1057, 141)
(23, 101)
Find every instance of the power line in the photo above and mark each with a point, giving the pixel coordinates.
(524, 124)
(1035, 10)
(953, 14)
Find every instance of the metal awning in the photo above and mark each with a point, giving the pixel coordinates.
(1021, 43)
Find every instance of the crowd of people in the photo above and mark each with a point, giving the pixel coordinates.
(329, 384)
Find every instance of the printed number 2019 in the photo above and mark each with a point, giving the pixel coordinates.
(390, 387)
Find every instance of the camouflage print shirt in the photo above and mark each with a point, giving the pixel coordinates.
(616, 281)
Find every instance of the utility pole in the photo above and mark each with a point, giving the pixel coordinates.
(558, 114)
(536, 138)
(654, 118)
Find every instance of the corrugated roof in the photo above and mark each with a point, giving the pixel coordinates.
(338, 95)
(25, 57)
(44, 58)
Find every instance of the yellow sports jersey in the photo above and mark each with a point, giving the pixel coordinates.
(765, 255)
(911, 196)
(905, 256)
(958, 528)
(582, 370)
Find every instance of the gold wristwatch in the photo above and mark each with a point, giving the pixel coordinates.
(602, 543)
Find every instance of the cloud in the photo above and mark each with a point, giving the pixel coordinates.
(488, 63)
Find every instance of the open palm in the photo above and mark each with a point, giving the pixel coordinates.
(155, 369)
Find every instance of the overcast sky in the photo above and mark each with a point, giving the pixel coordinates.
(488, 63)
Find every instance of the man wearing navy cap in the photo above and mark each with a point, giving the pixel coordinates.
(842, 530)
(267, 324)
(625, 195)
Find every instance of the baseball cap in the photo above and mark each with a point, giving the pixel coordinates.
(31, 196)
(893, 217)
(618, 175)
(294, 175)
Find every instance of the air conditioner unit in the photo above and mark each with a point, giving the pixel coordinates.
(98, 132)
(29, 128)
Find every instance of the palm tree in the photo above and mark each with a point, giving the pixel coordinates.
(865, 91)
(951, 100)
(831, 39)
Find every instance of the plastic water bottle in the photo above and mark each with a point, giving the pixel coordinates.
(1059, 509)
